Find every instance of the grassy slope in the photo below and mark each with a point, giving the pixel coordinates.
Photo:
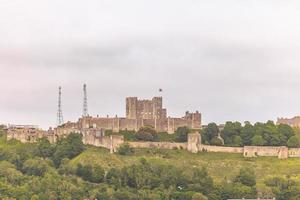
(220, 166)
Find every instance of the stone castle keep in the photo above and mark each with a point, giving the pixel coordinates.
(141, 113)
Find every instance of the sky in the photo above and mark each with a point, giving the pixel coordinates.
(232, 60)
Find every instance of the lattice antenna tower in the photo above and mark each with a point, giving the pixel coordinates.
(60, 119)
(85, 103)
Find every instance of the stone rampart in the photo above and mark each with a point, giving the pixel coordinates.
(221, 149)
(161, 145)
(255, 151)
(97, 138)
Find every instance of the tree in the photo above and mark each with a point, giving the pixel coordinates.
(258, 140)
(230, 130)
(125, 149)
(216, 141)
(85, 172)
(247, 133)
(45, 149)
(36, 167)
(146, 133)
(181, 134)
(293, 142)
(246, 177)
(210, 132)
(286, 131)
(237, 141)
(98, 174)
(68, 148)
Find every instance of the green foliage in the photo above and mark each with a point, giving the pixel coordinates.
(165, 137)
(258, 140)
(181, 134)
(44, 148)
(199, 196)
(93, 174)
(246, 177)
(230, 131)
(36, 167)
(259, 134)
(68, 148)
(216, 141)
(146, 133)
(284, 188)
(2, 131)
(127, 134)
(210, 133)
(125, 149)
(293, 142)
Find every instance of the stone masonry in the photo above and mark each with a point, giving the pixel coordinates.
(293, 122)
(140, 113)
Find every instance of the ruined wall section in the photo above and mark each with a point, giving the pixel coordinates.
(159, 145)
(255, 151)
(26, 135)
(221, 149)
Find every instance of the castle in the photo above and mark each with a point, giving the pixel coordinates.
(141, 113)
(293, 122)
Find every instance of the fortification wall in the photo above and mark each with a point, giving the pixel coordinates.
(129, 124)
(294, 152)
(161, 145)
(25, 135)
(221, 149)
(110, 142)
(255, 151)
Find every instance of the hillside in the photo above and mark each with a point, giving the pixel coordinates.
(53, 171)
(220, 166)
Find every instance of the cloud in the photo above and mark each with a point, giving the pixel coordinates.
(233, 60)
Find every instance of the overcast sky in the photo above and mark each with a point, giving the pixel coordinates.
(231, 60)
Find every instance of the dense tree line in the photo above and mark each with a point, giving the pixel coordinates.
(148, 133)
(259, 134)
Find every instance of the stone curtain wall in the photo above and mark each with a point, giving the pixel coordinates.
(221, 149)
(193, 145)
(160, 145)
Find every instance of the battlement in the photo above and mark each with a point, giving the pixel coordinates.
(145, 109)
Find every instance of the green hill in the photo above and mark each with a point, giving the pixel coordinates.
(221, 166)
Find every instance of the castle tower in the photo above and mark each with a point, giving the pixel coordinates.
(131, 107)
(157, 107)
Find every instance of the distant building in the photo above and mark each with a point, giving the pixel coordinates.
(25, 133)
(293, 122)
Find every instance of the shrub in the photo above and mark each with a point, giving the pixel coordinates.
(216, 141)
(293, 142)
(146, 133)
(246, 177)
(36, 167)
(125, 149)
(93, 174)
(181, 134)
